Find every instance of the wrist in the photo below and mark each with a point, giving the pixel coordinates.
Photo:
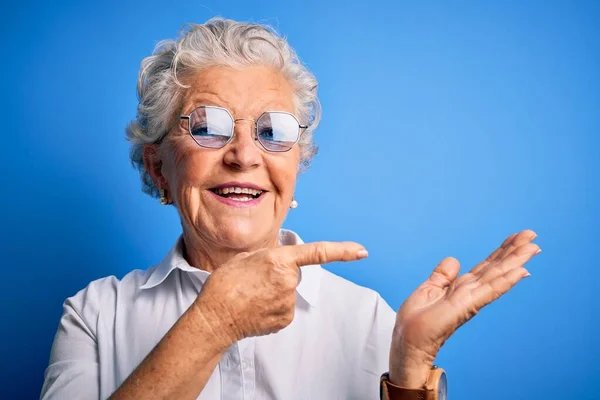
(220, 330)
(410, 369)
(410, 364)
(435, 388)
(409, 375)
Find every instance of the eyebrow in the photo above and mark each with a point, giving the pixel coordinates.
(201, 99)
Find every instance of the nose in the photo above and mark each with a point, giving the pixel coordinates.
(243, 153)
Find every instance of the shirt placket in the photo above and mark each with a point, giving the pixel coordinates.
(246, 350)
(237, 371)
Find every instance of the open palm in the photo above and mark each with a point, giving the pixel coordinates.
(446, 301)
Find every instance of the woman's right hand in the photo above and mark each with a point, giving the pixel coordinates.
(254, 294)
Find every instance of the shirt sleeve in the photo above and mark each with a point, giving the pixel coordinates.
(73, 371)
(380, 337)
(376, 351)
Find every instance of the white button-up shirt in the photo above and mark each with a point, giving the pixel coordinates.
(336, 347)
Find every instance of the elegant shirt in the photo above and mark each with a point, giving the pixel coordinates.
(336, 347)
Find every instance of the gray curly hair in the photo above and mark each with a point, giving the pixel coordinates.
(216, 42)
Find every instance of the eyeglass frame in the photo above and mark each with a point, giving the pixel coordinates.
(188, 117)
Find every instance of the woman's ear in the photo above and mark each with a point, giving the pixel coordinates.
(153, 164)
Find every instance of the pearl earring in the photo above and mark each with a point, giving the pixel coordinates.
(161, 197)
(294, 203)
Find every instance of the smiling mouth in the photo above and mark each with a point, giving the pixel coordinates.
(238, 193)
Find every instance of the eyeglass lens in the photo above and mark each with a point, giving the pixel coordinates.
(213, 127)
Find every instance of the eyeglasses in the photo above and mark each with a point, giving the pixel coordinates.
(212, 127)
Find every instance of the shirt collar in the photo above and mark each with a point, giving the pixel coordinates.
(310, 275)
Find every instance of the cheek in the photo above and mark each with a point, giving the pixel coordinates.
(186, 169)
(284, 171)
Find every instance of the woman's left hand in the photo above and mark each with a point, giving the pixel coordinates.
(445, 302)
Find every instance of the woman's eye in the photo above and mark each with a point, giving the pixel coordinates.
(200, 131)
(267, 133)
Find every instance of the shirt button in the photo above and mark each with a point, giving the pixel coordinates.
(227, 361)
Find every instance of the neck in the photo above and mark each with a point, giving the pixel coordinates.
(208, 255)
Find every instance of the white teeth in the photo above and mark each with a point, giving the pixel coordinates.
(238, 190)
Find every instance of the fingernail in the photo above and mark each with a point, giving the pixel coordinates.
(538, 251)
(527, 275)
(362, 254)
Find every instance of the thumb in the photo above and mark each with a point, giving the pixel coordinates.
(445, 272)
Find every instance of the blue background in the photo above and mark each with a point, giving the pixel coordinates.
(447, 126)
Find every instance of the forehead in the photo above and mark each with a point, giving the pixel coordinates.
(244, 92)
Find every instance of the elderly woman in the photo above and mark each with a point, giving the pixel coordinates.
(240, 308)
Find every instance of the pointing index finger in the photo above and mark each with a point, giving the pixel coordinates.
(324, 252)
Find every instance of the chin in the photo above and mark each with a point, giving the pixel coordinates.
(245, 235)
